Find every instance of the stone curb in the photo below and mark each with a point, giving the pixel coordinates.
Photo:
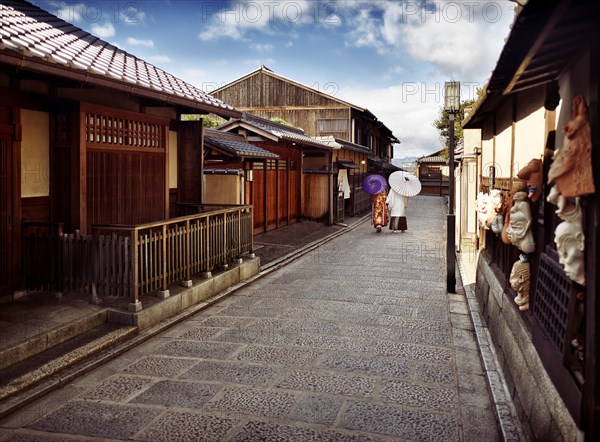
(505, 410)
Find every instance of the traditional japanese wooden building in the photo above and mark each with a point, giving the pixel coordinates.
(432, 171)
(228, 158)
(294, 185)
(91, 141)
(359, 135)
(545, 84)
(350, 162)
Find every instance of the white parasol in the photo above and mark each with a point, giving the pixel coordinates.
(404, 183)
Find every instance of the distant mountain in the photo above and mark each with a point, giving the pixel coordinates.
(403, 161)
(406, 163)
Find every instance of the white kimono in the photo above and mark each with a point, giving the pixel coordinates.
(397, 203)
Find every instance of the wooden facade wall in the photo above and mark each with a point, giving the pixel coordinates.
(125, 187)
(7, 210)
(264, 90)
(316, 195)
(36, 208)
(126, 167)
(64, 153)
(190, 162)
(275, 188)
(267, 96)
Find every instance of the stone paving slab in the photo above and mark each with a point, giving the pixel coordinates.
(357, 341)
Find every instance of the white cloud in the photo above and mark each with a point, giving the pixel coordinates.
(137, 42)
(259, 47)
(365, 32)
(267, 17)
(408, 109)
(106, 30)
(160, 59)
(461, 38)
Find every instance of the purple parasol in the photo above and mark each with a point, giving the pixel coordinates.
(374, 184)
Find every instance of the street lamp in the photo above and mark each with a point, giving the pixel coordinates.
(451, 106)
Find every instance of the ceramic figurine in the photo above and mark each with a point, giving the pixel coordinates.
(508, 202)
(570, 244)
(483, 204)
(571, 168)
(519, 229)
(558, 200)
(532, 175)
(519, 281)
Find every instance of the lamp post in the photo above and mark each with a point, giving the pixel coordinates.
(451, 106)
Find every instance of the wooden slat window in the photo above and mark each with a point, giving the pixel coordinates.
(112, 131)
(332, 125)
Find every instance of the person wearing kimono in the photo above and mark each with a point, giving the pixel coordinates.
(379, 214)
(397, 205)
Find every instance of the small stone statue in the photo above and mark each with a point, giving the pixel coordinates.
(519, 229)
(519, 281)
(570, 244)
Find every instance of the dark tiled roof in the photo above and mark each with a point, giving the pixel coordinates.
(29, 32)
(281, 131)
(235, 145)
(434, 159)
(332, 141)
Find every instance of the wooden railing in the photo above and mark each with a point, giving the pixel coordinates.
(40, 255)
(162, 253)
(132, 260)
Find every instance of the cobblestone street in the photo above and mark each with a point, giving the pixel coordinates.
(355, 341)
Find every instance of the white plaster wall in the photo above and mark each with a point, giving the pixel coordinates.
(172, 159)
(35, 153)
(487, 156)
(503, 149)
(530, 138)
(222, 189)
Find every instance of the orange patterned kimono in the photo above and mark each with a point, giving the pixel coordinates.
(379, 216)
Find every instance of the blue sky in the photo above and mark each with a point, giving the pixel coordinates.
(391, 57)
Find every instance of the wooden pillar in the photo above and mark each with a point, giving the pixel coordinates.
(79, 174)
(513, 136)
(591, 387)
(190, 162)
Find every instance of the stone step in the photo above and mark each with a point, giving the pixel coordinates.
(18, 378)
(31, 346)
